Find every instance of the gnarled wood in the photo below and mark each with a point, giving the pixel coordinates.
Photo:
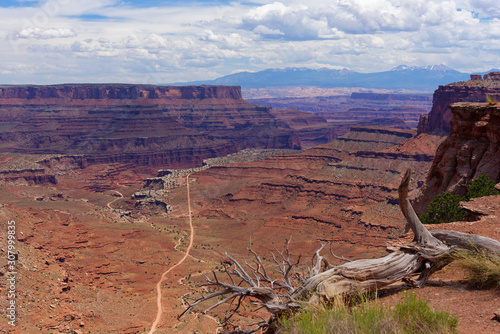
(468, 241)
(427, 253)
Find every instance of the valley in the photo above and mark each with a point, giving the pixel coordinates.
(126, 196)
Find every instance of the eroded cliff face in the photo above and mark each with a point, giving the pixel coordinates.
(471, 149)
(474, 90)
(347, 187)
(119, 92)
(140, 124)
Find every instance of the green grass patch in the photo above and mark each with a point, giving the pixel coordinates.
(410, 315)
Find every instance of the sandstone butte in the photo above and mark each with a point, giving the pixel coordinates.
(474, 90)
(89, 260)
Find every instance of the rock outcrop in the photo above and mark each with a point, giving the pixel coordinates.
(140, 124)
(472, 148)
(312, 129)
(474, 90)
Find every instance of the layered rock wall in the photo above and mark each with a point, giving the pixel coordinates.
(474, 90)
(471, 149)
(350, 184)
(141, 124)
(119, 92)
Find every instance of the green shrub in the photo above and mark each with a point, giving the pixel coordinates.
(444, 208)
(481, 186)
(416, 316)
(411, 315)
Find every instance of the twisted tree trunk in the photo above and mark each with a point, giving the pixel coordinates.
(427, 253)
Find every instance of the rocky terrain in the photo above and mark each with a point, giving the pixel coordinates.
(473, 90)
(84, 249)
(471, 149)
(347, 185)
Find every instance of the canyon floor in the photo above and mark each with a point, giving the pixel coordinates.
(93, 246)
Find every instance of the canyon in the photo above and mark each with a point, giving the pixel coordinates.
(89, 260)
(381, 108)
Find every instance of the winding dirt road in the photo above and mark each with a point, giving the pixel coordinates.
(116, 199)
(163, 276)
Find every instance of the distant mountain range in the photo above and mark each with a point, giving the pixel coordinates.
(426, 78)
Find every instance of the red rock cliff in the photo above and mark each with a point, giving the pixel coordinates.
(142, 124)
(472, 148)
(119, 91)
(474, 90)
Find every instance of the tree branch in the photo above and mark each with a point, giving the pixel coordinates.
(426, 254)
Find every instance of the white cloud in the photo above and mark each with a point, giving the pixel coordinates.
(295, 22)
(263, 30)
(45, 33)
(225, 41)
(178, 42)
(155, 42)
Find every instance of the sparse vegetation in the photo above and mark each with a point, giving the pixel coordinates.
(483, 269)
(445, 208)
(492, 100)
(292, 292)
(411, 315)
(481, 186)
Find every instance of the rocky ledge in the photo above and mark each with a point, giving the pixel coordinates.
(474, 90)
(348, 184)
(471, 149)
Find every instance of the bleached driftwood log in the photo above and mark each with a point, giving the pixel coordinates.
(427, 253)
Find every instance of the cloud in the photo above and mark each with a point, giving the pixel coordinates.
(179, 41)
(154, 42)
(225, 41)
(277, 20)
(486, 8)
(266, 31)
(321, 21)
(45, 33)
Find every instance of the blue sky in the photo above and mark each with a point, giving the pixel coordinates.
(153, 41)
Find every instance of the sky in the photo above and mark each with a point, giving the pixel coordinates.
(158, 42)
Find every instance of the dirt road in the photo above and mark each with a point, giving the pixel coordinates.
(116, 199)
(163, 276)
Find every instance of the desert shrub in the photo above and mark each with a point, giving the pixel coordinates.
(444, 208)
(411, 315)
(482, 269)
(481, 186)
(414, 315)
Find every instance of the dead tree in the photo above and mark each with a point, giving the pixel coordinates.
(413, 264)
